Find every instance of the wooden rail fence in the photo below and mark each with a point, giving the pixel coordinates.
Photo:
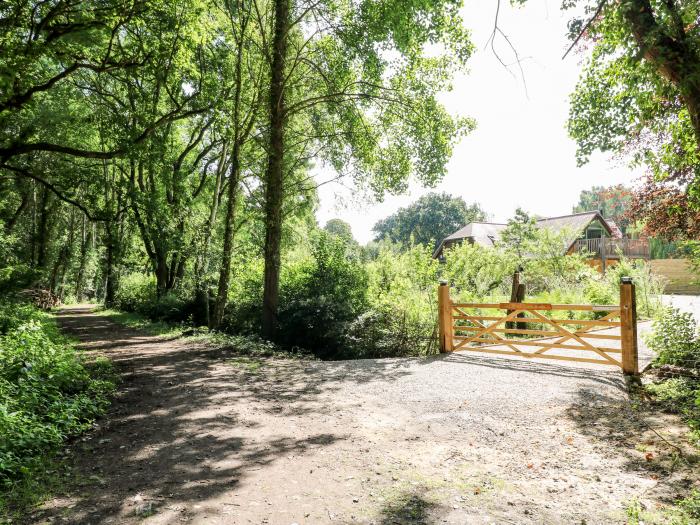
(610, 339)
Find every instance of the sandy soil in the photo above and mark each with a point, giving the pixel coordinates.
(198, 435)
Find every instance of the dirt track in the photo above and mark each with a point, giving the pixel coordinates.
(199, 436)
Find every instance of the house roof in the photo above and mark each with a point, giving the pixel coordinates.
(616, 231)
(485, 233)
(574, 224)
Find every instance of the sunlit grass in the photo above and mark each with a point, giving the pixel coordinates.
(140, 322)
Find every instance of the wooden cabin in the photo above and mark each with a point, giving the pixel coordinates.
(593, 235)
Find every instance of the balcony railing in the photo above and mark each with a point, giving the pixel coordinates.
(612, 248)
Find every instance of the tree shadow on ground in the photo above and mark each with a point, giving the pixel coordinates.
(610, 377)
(179, 428)
(410, 507)
(652, 443)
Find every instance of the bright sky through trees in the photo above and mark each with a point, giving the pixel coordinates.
(520, 154)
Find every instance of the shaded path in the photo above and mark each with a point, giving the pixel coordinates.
(199, 436)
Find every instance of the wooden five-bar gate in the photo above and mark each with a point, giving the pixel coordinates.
(535, 330)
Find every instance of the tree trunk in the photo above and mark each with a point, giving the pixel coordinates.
(274, 192)
(162, 271)
(110, 265)
(202, 265)
(80, 277)
(42, 234)
(225, 272)
(63, 260)
(229, 227)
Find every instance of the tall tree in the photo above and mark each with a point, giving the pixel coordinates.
(519, 233)
(358, 89)
(274, 178)
(244, 106)
(339, 228)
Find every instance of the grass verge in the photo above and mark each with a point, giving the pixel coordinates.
(140, 322)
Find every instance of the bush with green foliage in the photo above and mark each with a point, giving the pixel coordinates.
(477, 272)
(321, 295)
(135, 290)
(675, 338)
(402, 295)
(47, 394)
(137, 293)
(341, 301)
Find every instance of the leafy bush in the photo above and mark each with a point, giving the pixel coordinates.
(402, 297)
(479, 272)
(47, 394)
(675, 339)
(690, 507)
(135, 291)
(321, 296)
(649, 286)
(244, 311)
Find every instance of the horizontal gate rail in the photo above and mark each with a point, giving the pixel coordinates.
(513, 333)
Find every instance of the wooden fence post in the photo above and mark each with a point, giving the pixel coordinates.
(445, 318)
(628, 330)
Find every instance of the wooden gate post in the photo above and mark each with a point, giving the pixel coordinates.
(445, 318)
(628, 330)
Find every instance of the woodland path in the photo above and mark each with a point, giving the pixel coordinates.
(197, 435)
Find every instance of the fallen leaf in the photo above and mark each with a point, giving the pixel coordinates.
(649, 456)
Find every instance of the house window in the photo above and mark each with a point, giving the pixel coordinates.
(594, 233)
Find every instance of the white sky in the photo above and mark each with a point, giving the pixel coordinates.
(520, 154)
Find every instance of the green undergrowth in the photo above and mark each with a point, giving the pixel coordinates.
(685, 511)
(49, 393)
(241, 345)
(674, 381)
(673, 384)
(141, 322)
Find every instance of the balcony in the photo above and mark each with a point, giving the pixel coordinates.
(608, 248)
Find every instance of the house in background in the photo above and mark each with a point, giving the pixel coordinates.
(592, 234)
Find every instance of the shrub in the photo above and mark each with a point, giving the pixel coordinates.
(649, 287)
(478, 272)
(390, 332)
(675, 339)
(320, 296)
(47, 394)
(402, 297)
(690, 507)
(136, 291)
(243, 314)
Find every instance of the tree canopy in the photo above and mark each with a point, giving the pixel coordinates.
(428, 220)
(177, 138)
(639, 93)
(613, 202)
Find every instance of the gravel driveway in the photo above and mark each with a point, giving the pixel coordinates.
(198, 435)
(686, 303)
